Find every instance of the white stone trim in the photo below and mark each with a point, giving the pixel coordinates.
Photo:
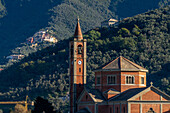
(129, 107)
(142, 85)
(140, 108)
(142, 75)
(130, 76)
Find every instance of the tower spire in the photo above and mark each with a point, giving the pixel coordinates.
(77, 67)
(78, 33)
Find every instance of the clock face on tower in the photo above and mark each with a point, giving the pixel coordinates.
(79, 62)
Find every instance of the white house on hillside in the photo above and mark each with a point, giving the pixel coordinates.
(109, 23)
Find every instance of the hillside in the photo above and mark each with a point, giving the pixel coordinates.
(2, 9)
(20, 19)
(144, 39)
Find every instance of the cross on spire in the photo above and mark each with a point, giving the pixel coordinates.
(151, 83)
(78, 19)
(78, 33)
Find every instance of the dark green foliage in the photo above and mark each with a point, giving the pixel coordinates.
(42, 105)
(61, 104)
(25, 17)
(164, 3)
(143, 39)
(128, 8)
(2, 9)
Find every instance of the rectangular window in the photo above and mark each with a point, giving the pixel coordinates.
(79, 69)
(111, 79)
(142, 80)
(98, 80)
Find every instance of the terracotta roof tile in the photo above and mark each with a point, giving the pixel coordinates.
(122, 64)
(127, 94)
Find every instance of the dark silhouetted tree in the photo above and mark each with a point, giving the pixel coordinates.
(42, 105)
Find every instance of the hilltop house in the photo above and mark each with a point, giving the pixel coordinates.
(1, 69)
(15, 57)
(120, 85)
(40, 37)
(109, 23)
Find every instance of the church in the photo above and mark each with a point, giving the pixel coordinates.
(120, 85)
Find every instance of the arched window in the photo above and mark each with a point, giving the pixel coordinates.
(79, 49)
(130, 79)
(127, 80)
(111, 79)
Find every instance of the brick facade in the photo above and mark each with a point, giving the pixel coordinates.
(145, 98)
(135, 108)
(151, 96)
(77, 56)
(120, 85)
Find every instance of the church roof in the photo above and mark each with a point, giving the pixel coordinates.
(121, 64)
(135, 92)
(111, 91)
(128, 94)
(96, 95)
(78, 33)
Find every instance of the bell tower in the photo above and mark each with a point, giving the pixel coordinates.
(77, 65)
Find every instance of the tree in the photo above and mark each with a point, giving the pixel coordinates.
(165, 82)
(124, 32)
(42, 105)
(20, 109)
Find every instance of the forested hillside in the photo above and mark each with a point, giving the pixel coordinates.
(143, 39)
(2, 9)
(20, 19)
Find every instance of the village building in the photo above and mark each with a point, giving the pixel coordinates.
(1, 69)
(40, 37)
(51, 39)
(120, 85)
(15, 57)
(109, 23)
